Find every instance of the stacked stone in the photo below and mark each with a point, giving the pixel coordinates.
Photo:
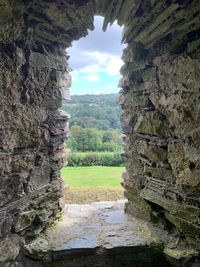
(34, 80)
(160, 94)
(138, 110)
(160, 91)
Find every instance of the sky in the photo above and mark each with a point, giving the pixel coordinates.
(96, 60)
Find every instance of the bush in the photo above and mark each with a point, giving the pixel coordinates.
(92, 159)
(95, 159)
(75, 159)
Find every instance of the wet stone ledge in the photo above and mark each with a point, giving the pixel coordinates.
(100, 235)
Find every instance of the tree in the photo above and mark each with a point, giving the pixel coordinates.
(91, 139)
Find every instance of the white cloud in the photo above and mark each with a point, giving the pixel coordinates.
(114, 65)
(92, 78)
(111, 86)
(75, 75)
(93, 68)
(96, 60)
(97, 40)
(102, 62)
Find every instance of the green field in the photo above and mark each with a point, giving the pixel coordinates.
(96, 152)
(93, 177)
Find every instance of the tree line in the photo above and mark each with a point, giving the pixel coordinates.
(91, 139)
(95, 131)
(94, 111)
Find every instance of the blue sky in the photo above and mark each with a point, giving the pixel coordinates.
(96, 60)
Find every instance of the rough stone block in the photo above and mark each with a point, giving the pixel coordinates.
(10, 247)
(24, 220)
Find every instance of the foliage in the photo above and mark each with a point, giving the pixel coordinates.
(95, 127)
(94, 111)
(91, 139)
(95, 159)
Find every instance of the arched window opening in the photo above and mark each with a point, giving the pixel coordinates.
(95, 161)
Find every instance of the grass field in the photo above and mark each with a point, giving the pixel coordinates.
(95, 176)
(89, 184)
(97, 152)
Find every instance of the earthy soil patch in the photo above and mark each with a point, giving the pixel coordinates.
(89, 195)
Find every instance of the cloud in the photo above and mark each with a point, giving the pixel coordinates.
(111, 86)
(109, 41)
(102, 62)
(74, 74)
(97, 46)
(92, 78)
(96, 60)
(114, 65)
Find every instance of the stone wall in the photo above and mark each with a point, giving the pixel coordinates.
(159, 97)
(33, 80)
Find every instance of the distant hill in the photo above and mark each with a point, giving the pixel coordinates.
(94, 111)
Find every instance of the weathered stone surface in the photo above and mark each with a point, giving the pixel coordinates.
(159, 98)
(11, 21)
(28, 196)
(96, 234)
(10, 247)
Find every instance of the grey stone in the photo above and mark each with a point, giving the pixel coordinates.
(160, 102)
(81, 242)
(25, 219)
(92, 229)
(10, 247)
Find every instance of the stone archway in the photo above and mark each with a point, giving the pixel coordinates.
(159, 97)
